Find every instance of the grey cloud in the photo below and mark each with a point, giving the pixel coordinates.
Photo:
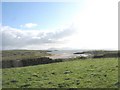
(14, 38)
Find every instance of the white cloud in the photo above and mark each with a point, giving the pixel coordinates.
(33, 39)
(29, 25)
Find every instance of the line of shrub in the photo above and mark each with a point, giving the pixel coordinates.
(28, 62)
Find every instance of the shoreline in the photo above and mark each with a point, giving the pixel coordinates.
(53, 58)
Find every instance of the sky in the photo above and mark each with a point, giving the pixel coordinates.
(46, 14)
(87, 24)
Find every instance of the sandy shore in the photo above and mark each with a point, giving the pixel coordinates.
(66, 56)
(61, 56)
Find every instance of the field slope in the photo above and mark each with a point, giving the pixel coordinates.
(89, 73)
(23, 54)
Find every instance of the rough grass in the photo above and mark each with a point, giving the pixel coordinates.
(23, 54)
(90, 73)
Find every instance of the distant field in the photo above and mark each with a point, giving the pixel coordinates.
(88, 73)
(23, 54)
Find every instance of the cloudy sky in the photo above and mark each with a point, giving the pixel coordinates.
(87, 24)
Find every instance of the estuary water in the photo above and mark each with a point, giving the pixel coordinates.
(64, 54)
(64, 51)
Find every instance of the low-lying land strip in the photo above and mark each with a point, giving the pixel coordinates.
(23, 54)
(20, 58)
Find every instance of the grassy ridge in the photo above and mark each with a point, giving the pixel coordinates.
(23, 54)
(91, 73)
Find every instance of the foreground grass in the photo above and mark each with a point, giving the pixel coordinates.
(91, 73)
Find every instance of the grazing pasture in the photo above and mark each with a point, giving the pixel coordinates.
(77, 73)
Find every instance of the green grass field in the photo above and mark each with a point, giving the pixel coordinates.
(90, 73)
